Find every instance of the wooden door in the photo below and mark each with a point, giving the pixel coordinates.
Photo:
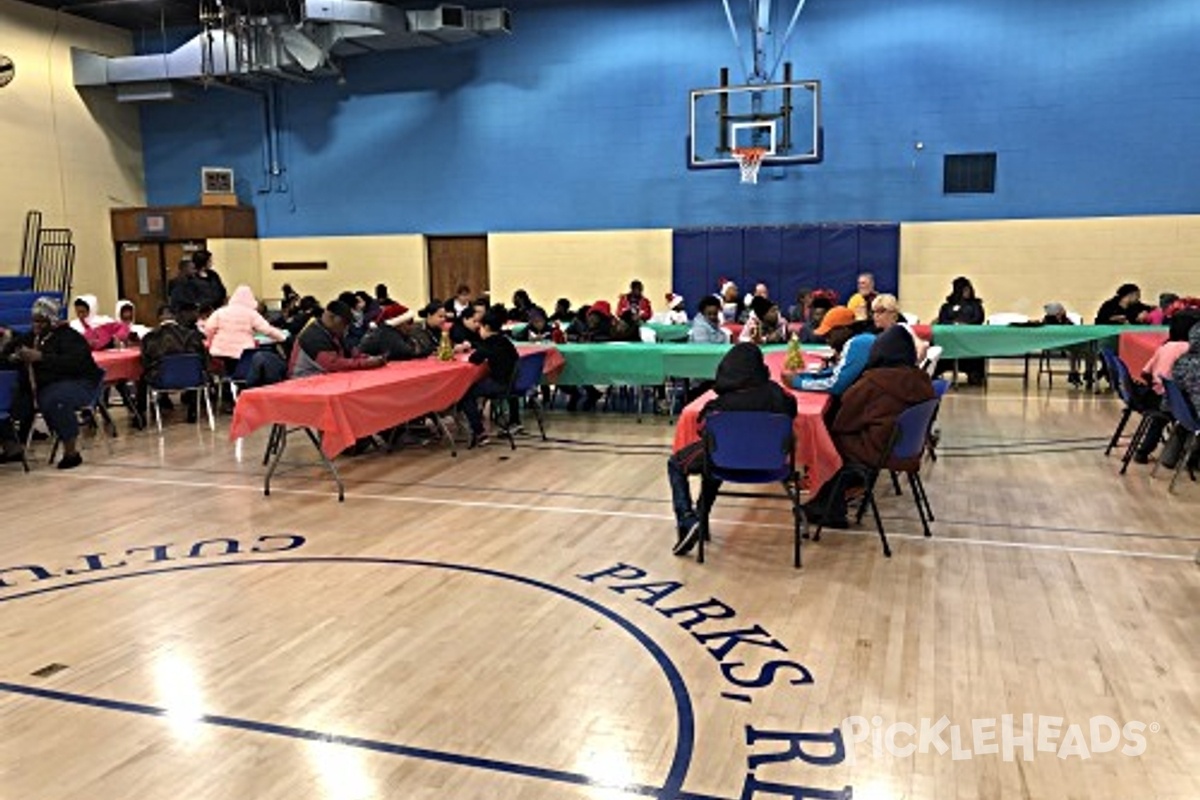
(455, 260)
(174, 252)
(142, 279)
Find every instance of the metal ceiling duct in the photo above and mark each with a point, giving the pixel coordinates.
(255, 48)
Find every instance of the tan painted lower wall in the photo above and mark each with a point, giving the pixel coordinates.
(583, 266)
(1019, 265)
(1016, 265)
(238, 261)
(355, 262)
(68, 154)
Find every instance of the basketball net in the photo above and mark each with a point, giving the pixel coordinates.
(749, 160)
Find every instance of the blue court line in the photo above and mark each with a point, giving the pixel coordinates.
(685, 718)
(375, 745)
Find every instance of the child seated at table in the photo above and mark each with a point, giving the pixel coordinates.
(393, 336)
(743, 384)
(498, 352)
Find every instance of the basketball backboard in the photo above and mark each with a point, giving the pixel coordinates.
(783, 118)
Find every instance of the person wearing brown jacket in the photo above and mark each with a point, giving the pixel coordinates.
(862, 431)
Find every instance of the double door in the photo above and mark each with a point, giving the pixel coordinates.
(146, 268)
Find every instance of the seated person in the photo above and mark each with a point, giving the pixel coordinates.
(1056, 314)
(706, 325)
(851, 348)
(733, 307)
(522, 305)
(885, 312)
(1158, 316)
(64, 374)
(358, 321)
(1186, 374)
(130, 332)
(1161, 364)
(428, 335)
(1124, 308)
(798, 311)
(627, 327)
(962, 307)
(168, 339)
(538, 329)
(593, 324)
(563, 315)
(743, 384)
(862, 429)
(461, 301)
(464, 333)
(99, 331)
(393, 337)
(817, 310)
(321, 348)
(674, 313)
(635, 300)
(862, 301)
(763, 326)
(229, 331)
(498, 352)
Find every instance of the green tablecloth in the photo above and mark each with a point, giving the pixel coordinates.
(669, 333)
(640, 364)
(990, 341)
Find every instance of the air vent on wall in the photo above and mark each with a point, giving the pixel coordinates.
(969, 173)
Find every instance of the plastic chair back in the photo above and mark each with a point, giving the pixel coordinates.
(241, 371)
(1124, 379)
(912, 428)
(529, 373)
(1181, 409)
(940, 387)
(749, 446)
(1114, 374)
(180, 371)
(9, 380)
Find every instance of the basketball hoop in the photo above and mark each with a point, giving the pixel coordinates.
(749, 160)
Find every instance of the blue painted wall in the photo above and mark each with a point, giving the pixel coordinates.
(578, 121)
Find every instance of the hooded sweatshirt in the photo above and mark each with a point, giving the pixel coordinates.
(131, 327)
(889, 385)
(231, 328)
(96, 328)
(744, 384)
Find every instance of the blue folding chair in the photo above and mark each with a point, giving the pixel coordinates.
(940, 387)
(1123, 382)
(9, 381)
(241, 373)
(908, 440)
(749, 447)
(1185, 418)
(181, 372)
(524, 385)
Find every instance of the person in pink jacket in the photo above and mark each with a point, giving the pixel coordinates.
(230, 329)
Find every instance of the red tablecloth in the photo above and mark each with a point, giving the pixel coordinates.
(1135, 349)
(345, 406)
(119, 365)
(554, 359)
(814, 447)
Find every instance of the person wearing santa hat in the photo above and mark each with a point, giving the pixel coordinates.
(393, 336)
(674, 315)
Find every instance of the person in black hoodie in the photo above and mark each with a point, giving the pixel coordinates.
(962, 307)
(64, 377)
(498, 352)
(743, 384)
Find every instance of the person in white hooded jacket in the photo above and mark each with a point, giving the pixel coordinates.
(230, 329)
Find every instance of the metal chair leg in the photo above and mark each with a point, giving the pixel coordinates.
(1116, 437)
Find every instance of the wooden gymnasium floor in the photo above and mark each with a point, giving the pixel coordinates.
(433, 636)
